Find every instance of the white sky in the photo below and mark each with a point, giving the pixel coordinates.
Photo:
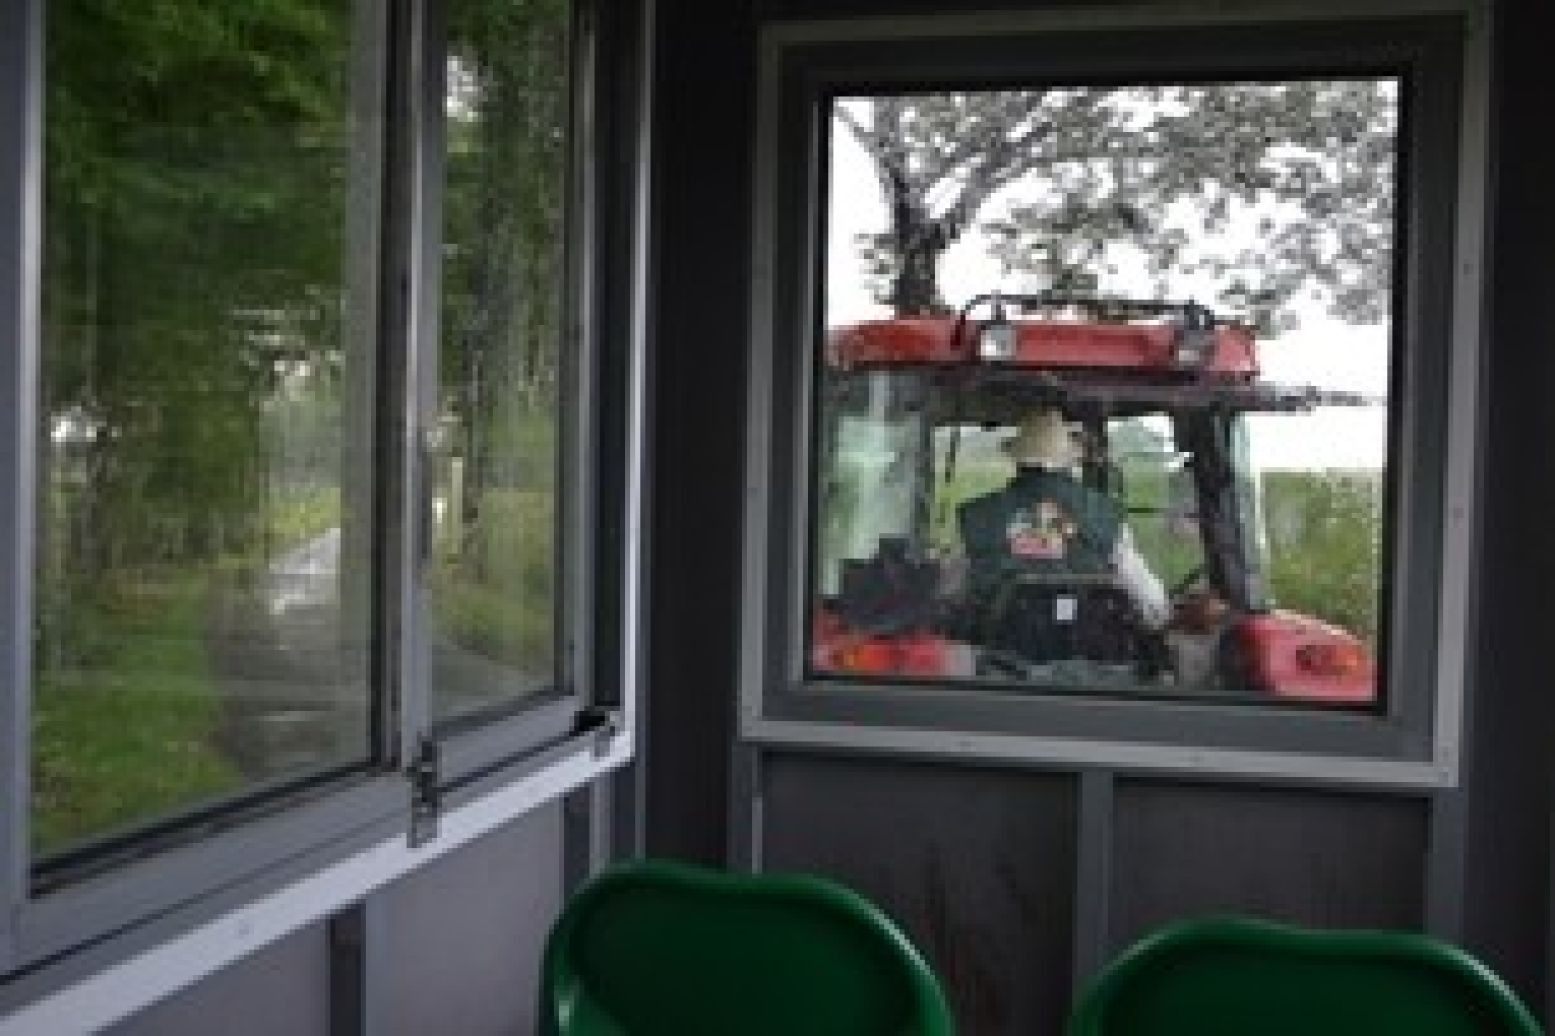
(1323, 351)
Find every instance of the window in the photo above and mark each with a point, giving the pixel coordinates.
(303, 460)
(1052, 461)
(494, 574)
(205, 453)
(1078, 388)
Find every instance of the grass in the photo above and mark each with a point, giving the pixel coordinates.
(124, 730)
(127, 708)
(493, 584)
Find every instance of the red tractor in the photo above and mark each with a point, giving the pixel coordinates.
(913, 414)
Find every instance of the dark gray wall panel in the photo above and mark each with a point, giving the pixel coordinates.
(463, 937)
(1507, 902)
(281, 989)
(977, 864)
(1307, 857)
(702, 196)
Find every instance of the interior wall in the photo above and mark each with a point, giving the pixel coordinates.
(462, 939)
(1512, 745)
(977, 864)
(282, 988)
(1300, 854)
(1287, 854)
(453, 948)
(702, 192)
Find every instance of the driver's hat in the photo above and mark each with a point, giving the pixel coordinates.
(1044, 439)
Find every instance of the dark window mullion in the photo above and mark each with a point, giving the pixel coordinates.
(578, 470)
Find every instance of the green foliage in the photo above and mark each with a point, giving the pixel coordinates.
(294, 519)
(196, 166)
(968, 482)
(505, 207)
(495, 589)
(1114, 164)
(494, 584)
(1150, 498)
(1324, 537)
(126, 731)
(205, 175)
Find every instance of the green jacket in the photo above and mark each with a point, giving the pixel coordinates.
(1041, 523)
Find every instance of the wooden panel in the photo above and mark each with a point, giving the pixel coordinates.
(1305, 857)
(978, 865)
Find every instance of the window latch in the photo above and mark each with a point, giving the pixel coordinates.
(426, 795)
(601, 723)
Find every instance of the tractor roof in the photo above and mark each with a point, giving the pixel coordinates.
(1148, 347)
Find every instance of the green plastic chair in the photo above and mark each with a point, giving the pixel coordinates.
(1226, 976)
(655, 947)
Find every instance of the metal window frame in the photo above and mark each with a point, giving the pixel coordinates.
(21, 190)
(264, 832)
(494, 772)
(1414, 743)
(468, 746)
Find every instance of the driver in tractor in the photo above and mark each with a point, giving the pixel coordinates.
(1052, 572)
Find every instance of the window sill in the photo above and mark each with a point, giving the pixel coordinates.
(116, 991)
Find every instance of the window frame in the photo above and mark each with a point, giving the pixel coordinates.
(1412, 740)
(488, 773)
(468, 745)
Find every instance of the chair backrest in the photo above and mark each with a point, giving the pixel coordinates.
(656, 947)
(1221, 976)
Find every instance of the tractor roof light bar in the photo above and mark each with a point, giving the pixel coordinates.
(1195, 323)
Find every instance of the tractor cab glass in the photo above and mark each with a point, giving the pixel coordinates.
(1109, 543)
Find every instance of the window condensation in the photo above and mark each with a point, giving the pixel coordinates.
(202, 612)
(1102, 386)
(495, 460)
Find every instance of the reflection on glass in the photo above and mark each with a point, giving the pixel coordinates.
(493, 581)
(201, 612)
(1103, 389)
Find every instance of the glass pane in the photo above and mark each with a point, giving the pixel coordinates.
(1103, 389)
(203, 534)
(493, 580)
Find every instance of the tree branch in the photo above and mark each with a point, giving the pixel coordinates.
(890, 165)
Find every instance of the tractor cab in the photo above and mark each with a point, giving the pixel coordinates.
(918, 420)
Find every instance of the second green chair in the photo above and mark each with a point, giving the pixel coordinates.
(1238, 977)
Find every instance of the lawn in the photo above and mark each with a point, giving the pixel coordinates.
(124, 728)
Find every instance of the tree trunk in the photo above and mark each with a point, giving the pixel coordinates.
(918, 242)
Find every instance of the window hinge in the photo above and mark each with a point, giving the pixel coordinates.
(426, 795)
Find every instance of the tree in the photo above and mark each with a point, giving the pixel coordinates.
(502, 272)
(196, 162)
(1143, 166)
